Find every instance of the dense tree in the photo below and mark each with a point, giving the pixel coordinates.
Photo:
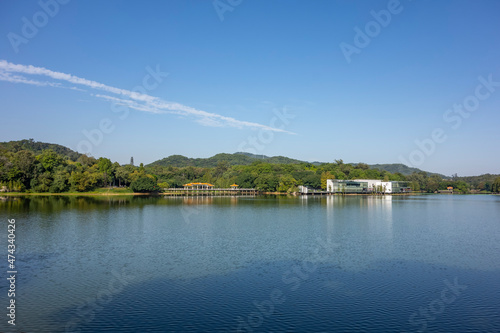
(85, 160)
(50, 159)
(266, 182)
(24, 161)
(287, 184)
(461, 186)
(432, 184)
(363, 166)
(105, 168)
(60, 182)
(221, 167)
(144, 184)
(496, 185)
(42, 182)
(123, 174)
(246, 180)
(312, 181)
(82, 181)
(397, 177)
(357, 174)
(487, 186)
(324, 176)
(177, 181)
(415, 186)
(208, 177)
(5, 166)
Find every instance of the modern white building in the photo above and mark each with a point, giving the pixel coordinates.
(346, 186)
(366, 186)
(383, 187)
(393, 187)
(371, 183)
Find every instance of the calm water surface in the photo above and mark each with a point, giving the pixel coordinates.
(254, 264)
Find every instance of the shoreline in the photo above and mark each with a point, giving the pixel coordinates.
(15, 194)
(104, 194)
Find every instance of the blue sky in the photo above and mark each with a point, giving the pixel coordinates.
(268, 77)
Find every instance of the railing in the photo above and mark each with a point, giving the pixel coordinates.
(208, 189)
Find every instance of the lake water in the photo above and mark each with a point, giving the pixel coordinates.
(254, 264)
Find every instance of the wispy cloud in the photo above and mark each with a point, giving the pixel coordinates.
(5, 76)
(131, 99)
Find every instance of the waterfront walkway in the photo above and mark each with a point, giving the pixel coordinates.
(211, 191)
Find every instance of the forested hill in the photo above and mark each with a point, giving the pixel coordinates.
(241, 158)
(403, 169)
(232, 159)
(37, 148)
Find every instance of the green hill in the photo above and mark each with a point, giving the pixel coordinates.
(242, 158)
(272, 160)
(38, 147)
(484, 181)
(403, 169)
(231, 159)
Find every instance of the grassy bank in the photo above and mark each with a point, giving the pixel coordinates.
(99, 191)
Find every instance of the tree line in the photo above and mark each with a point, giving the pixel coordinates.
(25, 170)
(49, 171)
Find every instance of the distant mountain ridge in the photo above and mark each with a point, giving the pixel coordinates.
(243, 158)
(403, 169)
(232, 159)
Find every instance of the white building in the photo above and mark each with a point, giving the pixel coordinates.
(329, 185)
(384, 187)
(393, 187)
(366, 186)
(371, 183)
(346, 186)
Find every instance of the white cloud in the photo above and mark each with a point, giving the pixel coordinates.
(136, 101)
(4, 76)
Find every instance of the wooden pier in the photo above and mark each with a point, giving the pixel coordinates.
(210, 191)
